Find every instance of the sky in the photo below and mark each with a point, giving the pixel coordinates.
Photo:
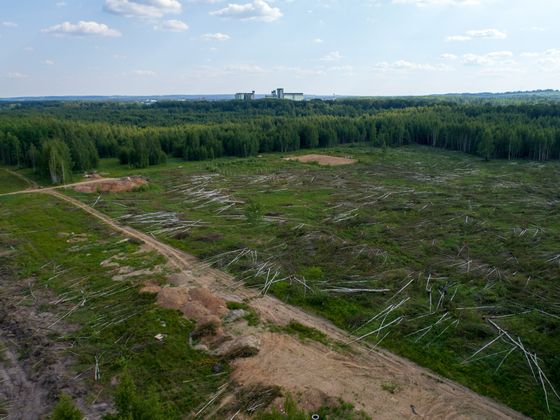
(343, 47)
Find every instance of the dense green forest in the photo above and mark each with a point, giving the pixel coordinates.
(58, 138)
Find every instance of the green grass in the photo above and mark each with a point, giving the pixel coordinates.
(485, 233)
(114, 323)
(304, 332)
(251, 316)
(340, 411)
(390, 387)
(10, 183)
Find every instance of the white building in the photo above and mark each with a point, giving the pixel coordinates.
(245, 96)
(280, 94)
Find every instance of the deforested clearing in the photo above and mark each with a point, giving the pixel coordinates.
(412, 250)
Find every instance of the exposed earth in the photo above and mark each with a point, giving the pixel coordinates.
(324, 160)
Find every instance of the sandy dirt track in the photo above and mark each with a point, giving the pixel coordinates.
(35, 189)
(313, 370)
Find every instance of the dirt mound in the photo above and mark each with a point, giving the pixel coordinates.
(323, 160)
(173, 297)
(113, 186)
(150, 289)
(247, 346)
(199, 304)
(213, 304)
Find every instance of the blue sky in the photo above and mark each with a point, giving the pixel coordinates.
(357, 47)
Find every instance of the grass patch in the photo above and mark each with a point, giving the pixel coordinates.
(304, 333)
(390, 387)
(10, 182)
(251, 316)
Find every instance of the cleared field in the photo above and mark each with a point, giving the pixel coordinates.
(439, 257)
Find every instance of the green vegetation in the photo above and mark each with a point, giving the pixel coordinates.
(291, 412)
(251, 316)
(390, 387)
(131, 405)
(55, 138)
(340, 411)
(65, 409)
(10, 182)
(457, 242)
(304, 332)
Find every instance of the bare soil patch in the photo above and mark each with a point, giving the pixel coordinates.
(198, 304)
(323, 160)
(113, 185)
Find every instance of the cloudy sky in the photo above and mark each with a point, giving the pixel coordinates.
(358, 47)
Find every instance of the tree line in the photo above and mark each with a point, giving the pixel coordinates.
(56, 146)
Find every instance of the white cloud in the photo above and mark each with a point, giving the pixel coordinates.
(172, 25)
(142, 8)
(502, 58)
(256, 10)
(244, 68)
(448, 56)
(48, 62)
(82, 28)
(487, 34)
(218, 36)
(10, 24)
(548, 60)
(424, 3)
(479, 34)
(221, 72)
(317, 41)
(475, 59)
(500, 54)
(332, 56)
(459, 38)
(300, 72)
(408, 66)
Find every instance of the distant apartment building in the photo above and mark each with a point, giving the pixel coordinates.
(245, 96)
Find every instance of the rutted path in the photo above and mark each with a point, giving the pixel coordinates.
(311, 369)
(36, 189)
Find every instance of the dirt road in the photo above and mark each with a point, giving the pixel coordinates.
(312, 370)
(36, 189)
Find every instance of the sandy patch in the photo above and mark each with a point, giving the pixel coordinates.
(196, 304)
(323, 160)
(113, 186)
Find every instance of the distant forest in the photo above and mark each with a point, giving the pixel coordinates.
(58, 138)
